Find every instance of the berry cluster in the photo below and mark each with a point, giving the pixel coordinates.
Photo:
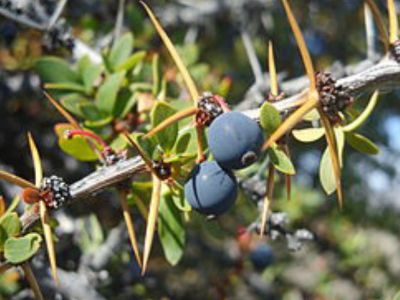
(333, 99)
(110, 157)
(209, 107)
(59, 36)
(234, 141)
(54, 191)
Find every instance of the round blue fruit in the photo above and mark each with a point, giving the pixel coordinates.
(262, 257)
(210, 189)
(235, 140)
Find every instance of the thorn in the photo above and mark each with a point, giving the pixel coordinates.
(293, 119)
(174, 54)
(49, 241)
(305, 55)
(152, 221)
(130, 226)
(171, 120)
(30, 277)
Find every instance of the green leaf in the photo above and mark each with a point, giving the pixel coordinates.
(77, 147)
(124, 98)
(95, 124)
(107, 93)
(129, 105)
(132, 61)
(72, 102)
(189, 53)
(66, 86)
(120, 51)
(308, 135)
(171, 230)
(11, 208)
(90, 111)
(11, 224)
(90, 74)
(166, 137)
(361, 143)
(18, 250)
(312, 115)
(54, 69)
(270, 118)
(281, 161)
(183, 142)
(326, 173)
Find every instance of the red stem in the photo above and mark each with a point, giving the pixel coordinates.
(91, 135)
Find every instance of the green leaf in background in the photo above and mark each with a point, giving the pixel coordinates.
(166, 137)
(120, 51)
(18, 250)
(281, 161)
(77, 147)
(11, 224)
(270, 118)
(72, 102)
(90, 111)
(171, 230)
(108, 91)
(131, 61)
(128, 105)
(125, 97)
(326, 174)
(13, 205)
(54, 69)
(189, 53)
(91, 233)
(98, 124)
(90, 75)
(361, 143)
(308, 135)
(66, 86)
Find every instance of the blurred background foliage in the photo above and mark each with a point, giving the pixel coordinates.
(356, 254)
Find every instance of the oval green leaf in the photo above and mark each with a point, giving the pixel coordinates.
(120, 50)
(54, 69)
(166, 137)
(308, 135)
(361, 143)
(270, 118)
(281, 161)
(11, 224)
(171, 230)
(108, 91)
(18, 250)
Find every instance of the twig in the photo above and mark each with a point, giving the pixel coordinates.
(252, 56)
(383, 76)
(56, 14)
(21, 19)
(369, 32)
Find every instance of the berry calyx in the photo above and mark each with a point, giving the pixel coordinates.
(235, 140)
(54, 191)
(210, 189)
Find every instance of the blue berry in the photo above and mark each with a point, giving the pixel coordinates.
(262, 257)
(210, 189)
(235, 140)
